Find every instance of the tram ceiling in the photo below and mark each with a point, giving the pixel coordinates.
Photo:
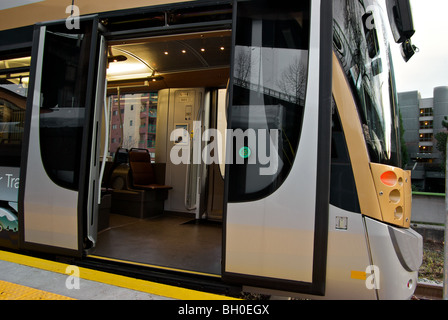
(201, 59)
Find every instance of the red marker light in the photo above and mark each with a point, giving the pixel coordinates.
(389, 178)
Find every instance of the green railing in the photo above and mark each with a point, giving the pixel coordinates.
(429, 194)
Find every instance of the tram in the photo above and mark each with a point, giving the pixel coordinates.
(250, 143)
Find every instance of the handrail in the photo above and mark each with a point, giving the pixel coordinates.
(106, 139)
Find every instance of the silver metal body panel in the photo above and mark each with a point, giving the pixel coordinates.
(395, 282)
(50, 212)
(274, 237)
(365, 245)
(347, 251)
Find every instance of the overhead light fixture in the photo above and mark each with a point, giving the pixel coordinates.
(118, 58)
(153, 77)
(115, 58)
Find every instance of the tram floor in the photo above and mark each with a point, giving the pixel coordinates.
(169, 240)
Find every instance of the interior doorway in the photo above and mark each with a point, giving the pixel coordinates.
(156, 87)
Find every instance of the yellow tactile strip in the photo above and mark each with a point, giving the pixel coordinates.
(12, 291)
(113, 279)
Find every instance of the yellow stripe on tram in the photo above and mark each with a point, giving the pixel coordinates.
(154, 266)
(358, 275)
(113, 279)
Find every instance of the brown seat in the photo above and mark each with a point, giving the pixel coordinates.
(142, 171)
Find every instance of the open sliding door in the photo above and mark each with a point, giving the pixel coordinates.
(278, 159)
(59, 177)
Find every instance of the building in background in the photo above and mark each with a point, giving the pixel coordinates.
(422, 121)
(148, 117)
(133, 125)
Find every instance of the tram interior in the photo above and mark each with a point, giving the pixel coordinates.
(153, 211)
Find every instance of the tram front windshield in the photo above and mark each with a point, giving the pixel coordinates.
(362, 46)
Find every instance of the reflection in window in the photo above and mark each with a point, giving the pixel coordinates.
(360, 42)
(63, 102)
(19, 62)
(14, 78)
(269, 85)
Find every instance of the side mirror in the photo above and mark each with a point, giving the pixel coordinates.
(408, 50)
(402, 25)
(400, 18)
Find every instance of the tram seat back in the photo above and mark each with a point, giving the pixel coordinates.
(142, 170)
(141, 167)
(113, 170)
(140, 196)
(121, 156)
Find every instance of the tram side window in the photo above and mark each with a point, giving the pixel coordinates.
(63, 102)
(269, 87)
(14, 78)
(343, 193)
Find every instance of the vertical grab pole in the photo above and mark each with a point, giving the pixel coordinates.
(106, 139)
(445, 263)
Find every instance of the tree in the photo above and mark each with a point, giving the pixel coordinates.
(293, 80)
(445, 122)
(404, 148)
(442, 138)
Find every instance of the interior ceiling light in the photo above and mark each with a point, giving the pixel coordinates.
(156, 78)
(118, 58)
(153, 77)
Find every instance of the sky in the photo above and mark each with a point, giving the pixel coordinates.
(429, 67)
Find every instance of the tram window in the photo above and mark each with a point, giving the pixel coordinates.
(360, 42)
(14, 78)
(136, 124)
(343, 193)
(270, 79)
(63, 100)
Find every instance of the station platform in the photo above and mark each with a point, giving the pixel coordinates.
(28, 278)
